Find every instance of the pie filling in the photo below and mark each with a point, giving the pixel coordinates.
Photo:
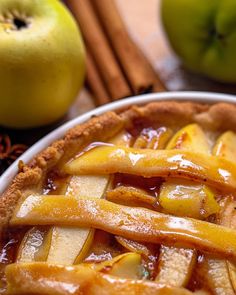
(151, 212)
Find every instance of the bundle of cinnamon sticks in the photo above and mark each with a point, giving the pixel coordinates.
(116, 67)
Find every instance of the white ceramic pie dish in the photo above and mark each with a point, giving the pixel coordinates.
(205, 97)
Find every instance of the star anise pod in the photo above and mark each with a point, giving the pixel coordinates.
(8, 152)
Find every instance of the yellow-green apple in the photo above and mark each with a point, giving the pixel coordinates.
(42, 62)
(203, 34)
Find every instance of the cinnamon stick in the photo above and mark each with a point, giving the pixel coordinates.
(138, 70)
(98, 45)
(95, 82)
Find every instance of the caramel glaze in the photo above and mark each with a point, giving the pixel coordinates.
(150, 185)
(10, 244)
(54, 183)
(8, 251)
(104, 247)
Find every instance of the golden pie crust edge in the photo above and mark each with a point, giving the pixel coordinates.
(217, 117)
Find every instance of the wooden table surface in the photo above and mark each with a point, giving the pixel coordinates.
(143, 23)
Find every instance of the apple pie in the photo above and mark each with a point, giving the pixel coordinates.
(137, 201)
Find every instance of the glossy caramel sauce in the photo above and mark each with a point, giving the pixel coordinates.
(104, 247)
(150, 185)
(55, 183)
(8, 252)
(10, 245)
(196, 281)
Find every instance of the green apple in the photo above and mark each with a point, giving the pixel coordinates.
(203, 34)
(42, 62)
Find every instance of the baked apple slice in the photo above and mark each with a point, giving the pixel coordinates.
(153, 138)
(35, 245)
(225, 146)
(214, 274)
(190, 137)
(186, 198)
(133, 246)
(127, 265)
(131, 196)
(175, 266)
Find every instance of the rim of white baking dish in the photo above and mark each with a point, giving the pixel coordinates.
(204, 97)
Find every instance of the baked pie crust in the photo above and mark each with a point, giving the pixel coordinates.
(160, 242)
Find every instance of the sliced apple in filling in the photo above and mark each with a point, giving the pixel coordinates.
(35, 245)
(131, 196)
(232, 273)
(175, 266)
(133, 246)
(192, 138)
(225, 146)
(184, 198)
(153, 138)
(215, 276)
(127, 265)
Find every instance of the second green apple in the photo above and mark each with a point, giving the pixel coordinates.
(203, 34)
